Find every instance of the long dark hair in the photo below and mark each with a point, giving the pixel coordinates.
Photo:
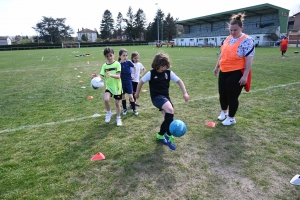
(121, 52)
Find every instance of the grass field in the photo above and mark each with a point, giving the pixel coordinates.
(48, 134)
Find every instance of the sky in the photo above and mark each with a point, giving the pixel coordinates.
(19, 16)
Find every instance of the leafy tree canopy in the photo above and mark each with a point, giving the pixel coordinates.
(53, 30)
(107, 25)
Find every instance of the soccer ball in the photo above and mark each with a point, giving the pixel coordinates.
(177, 128)
(97, 83)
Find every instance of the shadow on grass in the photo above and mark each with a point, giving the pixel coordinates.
(226, 155)
(133, 162)
(147, 174)
(225, 146)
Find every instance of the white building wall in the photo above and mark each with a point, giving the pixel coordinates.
(6, 41)
(259, 40)
(92, 37)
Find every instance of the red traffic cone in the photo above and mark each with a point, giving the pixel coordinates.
(98, 156)
(211, 124)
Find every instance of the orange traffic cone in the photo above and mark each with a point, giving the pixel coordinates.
(211, 124)
(98, 156)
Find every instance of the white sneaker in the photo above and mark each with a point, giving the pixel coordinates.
(135, 112)
(124, 112)
(222, 115)
(229, 121)
(107, 117)
(119, 121)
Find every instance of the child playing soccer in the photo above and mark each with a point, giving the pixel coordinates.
(159, 82)
(127, 80)
(110, 71)
(135, 58)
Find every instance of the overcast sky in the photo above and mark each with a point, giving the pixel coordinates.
(19, 16)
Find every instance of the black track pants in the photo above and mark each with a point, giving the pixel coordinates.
(230, 90)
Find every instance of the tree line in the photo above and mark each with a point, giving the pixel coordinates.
(133, 26)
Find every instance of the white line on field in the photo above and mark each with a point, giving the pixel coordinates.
(82, 118)
(41, 125)
(275, 86)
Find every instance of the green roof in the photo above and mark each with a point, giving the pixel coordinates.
(249, 11)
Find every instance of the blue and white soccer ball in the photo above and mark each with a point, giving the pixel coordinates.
(177, 128)
(97, 83)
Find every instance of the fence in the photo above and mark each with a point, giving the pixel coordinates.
(58, 46)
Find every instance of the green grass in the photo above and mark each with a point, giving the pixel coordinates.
(48, 134)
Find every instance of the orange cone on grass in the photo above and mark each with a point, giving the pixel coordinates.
(98, 156)
(211, 124)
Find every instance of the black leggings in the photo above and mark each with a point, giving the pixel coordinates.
(283, 52)
(230, 90)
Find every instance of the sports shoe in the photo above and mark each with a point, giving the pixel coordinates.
(222, 115)
(171, 143)
(107, 117)
(124, 112)
(119, 121)
(135, 112)
(161, 138)
(229, 121)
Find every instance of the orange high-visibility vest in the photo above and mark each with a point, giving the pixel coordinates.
(230, 61)
(284, 42)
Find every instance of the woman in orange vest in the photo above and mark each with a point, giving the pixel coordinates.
(235, 62)
(283, 46)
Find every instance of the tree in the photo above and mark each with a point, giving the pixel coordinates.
(129, 30)
(18, 39)
(84, 38)
(139, 23)
(149, 32)
(96, 32)
(152, 28)
(107, 25)
(115, 34)
(119, 24)
(53, 30)
(169, 29)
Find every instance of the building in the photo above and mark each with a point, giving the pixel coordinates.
(5, 41)
(90, 34)
(265, 23)
(294, 30)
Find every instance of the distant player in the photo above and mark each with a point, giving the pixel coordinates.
(284, 45)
